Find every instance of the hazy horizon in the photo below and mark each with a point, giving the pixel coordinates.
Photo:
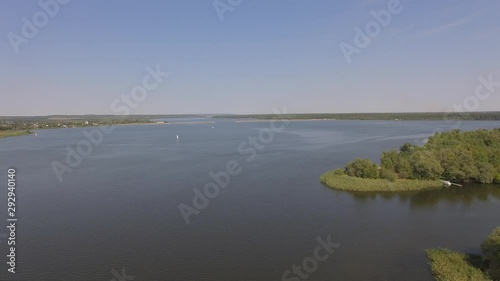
(258, 113)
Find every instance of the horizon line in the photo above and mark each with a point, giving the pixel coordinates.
(246, 114)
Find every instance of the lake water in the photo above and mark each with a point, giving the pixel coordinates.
(119, 208)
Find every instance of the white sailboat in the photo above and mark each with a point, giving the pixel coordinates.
(177, 137)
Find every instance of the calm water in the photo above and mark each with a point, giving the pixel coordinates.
(119, 208)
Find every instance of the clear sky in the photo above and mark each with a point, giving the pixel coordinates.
(264, 54)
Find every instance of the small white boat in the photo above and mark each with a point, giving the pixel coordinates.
(36, 134)
(177, 137)
(448, 183)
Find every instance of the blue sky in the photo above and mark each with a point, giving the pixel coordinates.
(263, 55)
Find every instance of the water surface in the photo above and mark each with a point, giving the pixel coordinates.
(119, 208)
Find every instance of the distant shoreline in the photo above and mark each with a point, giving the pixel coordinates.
(190, 122)
(326, 119)
(408, 116)
(18, 133)
(284, 119)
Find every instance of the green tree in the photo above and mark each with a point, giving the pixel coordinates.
(487, 172)
(407, 148)
(403, 168)
(491, 252)
(338, 172)
(497, 179)
(389, 159)
(388, 174)
(425, 166)
(362, 168)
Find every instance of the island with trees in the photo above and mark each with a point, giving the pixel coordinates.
(449, 265)
(456, 156)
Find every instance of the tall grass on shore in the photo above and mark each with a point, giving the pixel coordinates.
(447, 265)
(13, 133)
(345, 182)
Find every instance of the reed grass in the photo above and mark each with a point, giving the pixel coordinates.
(345, 182)
(13, 133)
(447, 265)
